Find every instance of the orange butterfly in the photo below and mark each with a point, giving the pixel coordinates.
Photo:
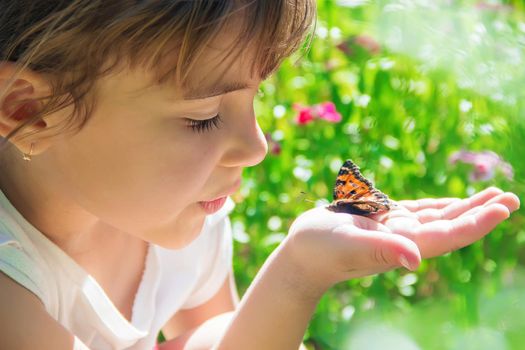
(353, 194)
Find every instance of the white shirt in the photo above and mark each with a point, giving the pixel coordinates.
(172, 280)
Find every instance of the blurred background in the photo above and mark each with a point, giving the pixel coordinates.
(427, 97)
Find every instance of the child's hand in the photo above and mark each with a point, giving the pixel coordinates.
(329, 247)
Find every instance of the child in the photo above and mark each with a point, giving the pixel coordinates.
(138, 121)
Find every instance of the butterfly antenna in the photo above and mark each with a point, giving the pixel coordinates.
(305, 199)
(311, 201)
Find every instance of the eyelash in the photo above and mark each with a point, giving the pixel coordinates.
(204, 125)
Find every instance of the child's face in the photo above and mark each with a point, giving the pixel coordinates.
(137, 165)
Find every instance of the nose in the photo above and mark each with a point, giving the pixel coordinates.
(246, 144)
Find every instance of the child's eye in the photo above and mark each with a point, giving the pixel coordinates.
(204, 125)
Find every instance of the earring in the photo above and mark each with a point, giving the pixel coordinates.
(28, 156)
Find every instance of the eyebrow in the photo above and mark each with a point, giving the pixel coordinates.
(195, 93)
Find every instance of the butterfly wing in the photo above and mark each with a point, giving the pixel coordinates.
(354, 194)
(350, 184)
(364, 207)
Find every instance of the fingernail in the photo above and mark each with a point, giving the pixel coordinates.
(404, 261)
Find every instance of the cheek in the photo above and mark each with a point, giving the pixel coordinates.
(135, 182)
(190, 161)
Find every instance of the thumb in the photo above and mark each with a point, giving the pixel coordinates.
(376, 249)
(402, 251)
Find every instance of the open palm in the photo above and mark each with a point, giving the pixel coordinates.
(438, 226)
(348, 246)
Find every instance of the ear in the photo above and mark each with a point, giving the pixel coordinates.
(18, 103)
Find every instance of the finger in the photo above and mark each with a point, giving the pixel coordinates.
(443, 236)
(369, 224)
(373, 271)
(371, 249)
(396, 212)
(424, 203)
(511, 201)
(459, 207)
(508, 199)
(440, 203)
(403, 225)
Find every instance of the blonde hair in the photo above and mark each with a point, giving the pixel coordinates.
(76, 42)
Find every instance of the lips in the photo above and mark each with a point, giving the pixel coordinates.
(211, 207)
(214, 205)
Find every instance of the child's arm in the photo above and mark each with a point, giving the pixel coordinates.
(324, 247)
(202, 326)
(187, 327)
(26, 325)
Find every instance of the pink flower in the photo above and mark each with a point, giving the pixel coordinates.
(305, 115)
(484, 5)
(368, 43)
(485, 164)
(325, 110)
(345, 48)
(365, 42)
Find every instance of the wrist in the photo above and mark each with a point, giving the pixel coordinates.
(304, 279)
(280, 302)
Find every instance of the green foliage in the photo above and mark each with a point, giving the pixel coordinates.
(403, 116)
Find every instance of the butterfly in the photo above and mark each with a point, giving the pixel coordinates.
(353, 194)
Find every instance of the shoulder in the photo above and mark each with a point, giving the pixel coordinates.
(19, 259)
(25, 322)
